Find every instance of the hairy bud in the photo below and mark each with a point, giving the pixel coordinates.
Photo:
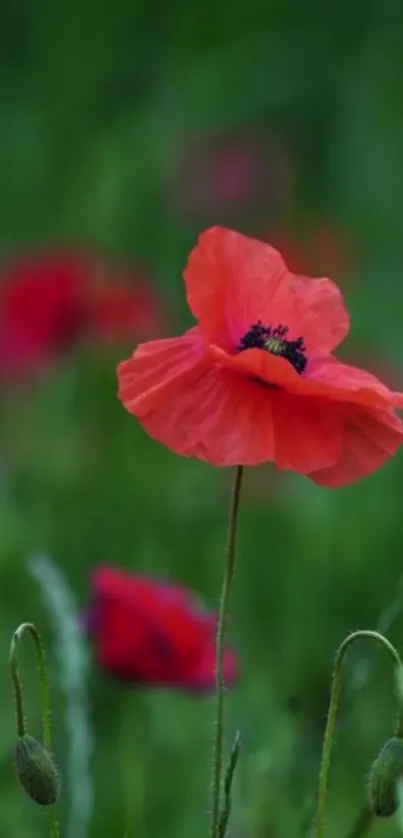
(384, 775)
(36, 771)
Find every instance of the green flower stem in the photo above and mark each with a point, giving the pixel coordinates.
(53, 825)
(16, 680)
(228, 781)
(332, 716)
(17, 687)
(220, 645)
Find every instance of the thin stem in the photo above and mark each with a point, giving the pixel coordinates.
(228, 782)
(220, 646)
(53, 825)
(17, 687)
(332, 716)
(45, 698)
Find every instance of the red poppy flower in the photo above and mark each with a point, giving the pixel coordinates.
(255, 381)
(50, 300)
(153, 633)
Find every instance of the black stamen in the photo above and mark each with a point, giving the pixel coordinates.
(275, 340)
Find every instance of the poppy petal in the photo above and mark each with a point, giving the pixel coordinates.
(259, 365)
(306, 431)
(370, 439)
(313, 309)
(343, 382)
(233, 281)
(217, 417)
(329, 378)
(159, 363)
(228, 419)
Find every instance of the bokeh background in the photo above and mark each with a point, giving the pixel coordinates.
(125, 130)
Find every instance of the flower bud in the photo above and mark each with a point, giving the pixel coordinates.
(36, 771)
(384, 775)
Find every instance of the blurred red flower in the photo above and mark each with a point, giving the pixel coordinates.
(255, 381)
(153, 633)
(50, 300)
(42, 305)
(118, 311)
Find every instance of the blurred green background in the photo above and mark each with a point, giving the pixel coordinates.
(132, 126)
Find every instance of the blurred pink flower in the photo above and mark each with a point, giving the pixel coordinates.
(50, 300)
(232, 172)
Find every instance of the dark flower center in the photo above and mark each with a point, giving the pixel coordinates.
(275, 340)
